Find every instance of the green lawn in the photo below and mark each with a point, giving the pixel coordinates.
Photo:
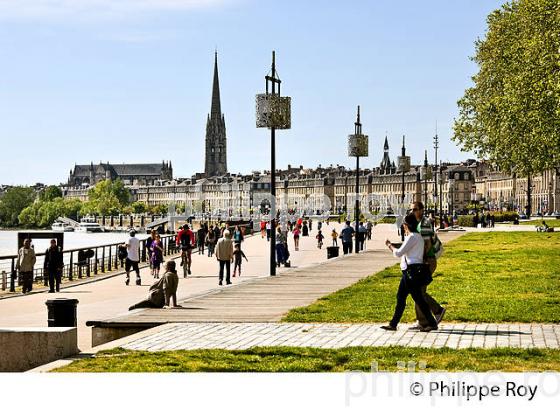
(482, 277)
(299, 359)
(553, 223)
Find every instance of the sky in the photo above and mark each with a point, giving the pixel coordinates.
(130, 81)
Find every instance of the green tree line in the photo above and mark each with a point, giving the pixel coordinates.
(23, 207)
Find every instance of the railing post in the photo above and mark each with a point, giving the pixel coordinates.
(4, 280)
(110, 264)
(95, 263)
(13, 276)
(103, 260)
(117, 257)
(70, 277)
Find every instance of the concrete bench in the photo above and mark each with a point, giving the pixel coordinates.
(24, 348)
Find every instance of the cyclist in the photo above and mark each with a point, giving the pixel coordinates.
(185, 239)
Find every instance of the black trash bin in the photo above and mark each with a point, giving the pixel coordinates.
(62, 312)
(332, 252)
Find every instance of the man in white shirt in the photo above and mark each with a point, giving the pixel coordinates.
(133, 257)
(415, 275)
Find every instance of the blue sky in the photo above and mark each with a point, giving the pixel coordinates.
(130, 80)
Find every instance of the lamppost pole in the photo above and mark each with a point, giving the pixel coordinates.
(273, 80)
(273, 112)
(425, 178)
(404, 164)
(357, 131)
(357, 147)
(436, 146)
(440, 196)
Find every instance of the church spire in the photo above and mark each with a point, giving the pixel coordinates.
(216, 110)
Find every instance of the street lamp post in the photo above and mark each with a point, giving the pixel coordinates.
(357, 147)
(440, 196)
(404, 164)
(425, 178)
(273, 112)
(436, 146)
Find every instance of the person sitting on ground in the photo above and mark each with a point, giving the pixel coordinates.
(163, 291)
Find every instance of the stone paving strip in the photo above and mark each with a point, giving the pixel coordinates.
(238, 336)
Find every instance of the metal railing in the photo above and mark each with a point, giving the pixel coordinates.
(105, 259)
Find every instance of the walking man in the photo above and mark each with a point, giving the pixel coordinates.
(25, 264)
(224, 254)
(346, 234)
(53, 266)
(426, 229)
(133, 257)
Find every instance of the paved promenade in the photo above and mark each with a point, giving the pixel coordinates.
(189, 336)
(109, 298)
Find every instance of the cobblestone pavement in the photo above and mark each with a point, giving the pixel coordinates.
(189, 336)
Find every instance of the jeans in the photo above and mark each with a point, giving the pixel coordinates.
(54, 280)
(405, 289)
(347, 247)
(227, 265)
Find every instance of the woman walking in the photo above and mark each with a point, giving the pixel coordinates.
(296, 232)
(156, 258)
(414, 275)
(211, 240)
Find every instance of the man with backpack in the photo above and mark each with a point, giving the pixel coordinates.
(432, 250)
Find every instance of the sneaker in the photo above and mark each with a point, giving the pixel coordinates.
(428, 328)
(190, 272)
(228, 283)
(127, 281)
(220, 283)
(439, 317)
(389, 327)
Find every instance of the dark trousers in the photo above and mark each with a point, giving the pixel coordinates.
(26, 281)
(227, 265)
(405, 289)
(347, 247)
(54, 280)
(130, 265)
(435, 307)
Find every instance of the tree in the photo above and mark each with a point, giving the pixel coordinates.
(50, 193)
(107, 198)
(511, 115)
(13, 202)
(139, 207)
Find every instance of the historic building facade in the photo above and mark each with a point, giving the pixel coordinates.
(83, 176)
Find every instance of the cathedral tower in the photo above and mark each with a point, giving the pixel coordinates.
(216, 143)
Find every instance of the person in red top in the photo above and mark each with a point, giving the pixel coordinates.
(263, 228)
(185, 239)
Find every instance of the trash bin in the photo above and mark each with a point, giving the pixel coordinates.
(332, 252)
(62, 312)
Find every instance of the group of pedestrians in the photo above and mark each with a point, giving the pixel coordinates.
(53, 265)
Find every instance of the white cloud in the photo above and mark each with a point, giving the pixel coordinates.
(85, 9)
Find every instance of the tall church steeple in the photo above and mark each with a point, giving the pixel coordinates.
(216, 143)
(216, 109)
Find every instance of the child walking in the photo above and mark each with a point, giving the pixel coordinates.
(334, 236)
(238, 256)
(319, 238)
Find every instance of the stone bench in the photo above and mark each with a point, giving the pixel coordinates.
(24, 348)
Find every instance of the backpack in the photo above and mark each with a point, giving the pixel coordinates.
(437, 246)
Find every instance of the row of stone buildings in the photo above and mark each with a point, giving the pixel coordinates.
(381, 188)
